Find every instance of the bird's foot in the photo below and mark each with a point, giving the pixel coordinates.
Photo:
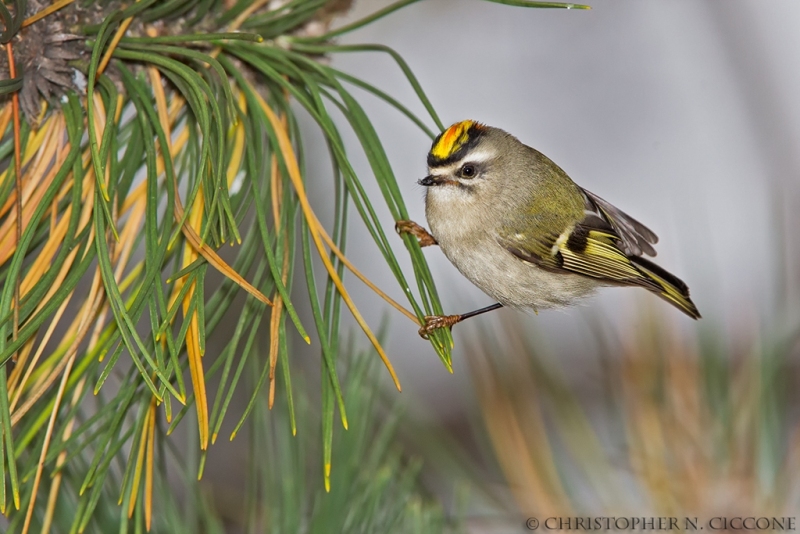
(410, 227)
(434, 322)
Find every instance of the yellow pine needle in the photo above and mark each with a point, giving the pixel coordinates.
(213, 258)
(137, 471)
(44, 12)
(43, 261)
(12, 73)
(274, 330)
(238, 21)
(36, 179)
(196, 365)
(177, 145)
(22, 358)
(276, 186)
(99, 121)
(66, 365)
(176, 107)
(55, 238)
(51, 151)
(148, 481)
(237, 155)
(86, 212)
(47, 437)
(54, 321)
(138, 195)
(360, 276)
(83, 321)
(161, 102)
(42, 112)
(29, 179)
(16, 393)
(123, 27)
(39, 268)
(244, 15)
(31, 149)
(327, 477)
(35, 142)
(294, 174)
(237, 151)
(189, 233)
(5, 118)
(40, 265)
(276, 191)
(132, 227)
(189, 256)
(118, 111)
(62, 457)
(84, 219)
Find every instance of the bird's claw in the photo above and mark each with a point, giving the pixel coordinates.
(434, 322)
(410, 227)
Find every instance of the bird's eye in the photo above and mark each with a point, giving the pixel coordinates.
(468, 170)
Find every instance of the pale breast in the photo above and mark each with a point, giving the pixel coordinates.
(470, 244)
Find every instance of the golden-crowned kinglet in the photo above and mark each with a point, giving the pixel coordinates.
(521, 230)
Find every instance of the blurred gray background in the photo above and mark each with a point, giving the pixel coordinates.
(682, 113)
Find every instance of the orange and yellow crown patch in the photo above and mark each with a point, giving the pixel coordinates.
(453, 139)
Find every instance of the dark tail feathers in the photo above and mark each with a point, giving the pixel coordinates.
(666, 286)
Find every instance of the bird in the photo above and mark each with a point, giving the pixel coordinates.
(517, 226)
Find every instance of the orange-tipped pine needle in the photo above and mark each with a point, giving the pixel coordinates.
(46, 11)
(193, 348)
(137, 471)
(62, 457)
(148, 480)
(274, 326)
(123, 27)
(189, 233)
(47, 437)
(196, 358)
(89, 312)
(34, 182)
(12, 72)
(339, 254)
(290, 159)
(276, 191)
(213, 258)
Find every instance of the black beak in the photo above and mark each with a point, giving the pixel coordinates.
(430, 180)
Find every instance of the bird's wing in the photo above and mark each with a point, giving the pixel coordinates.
(604, 245)
(591, 248)
(635, 238)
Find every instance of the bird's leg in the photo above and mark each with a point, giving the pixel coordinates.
(410, 227)
(433, 322)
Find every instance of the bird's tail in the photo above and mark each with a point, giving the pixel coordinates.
(666, 286)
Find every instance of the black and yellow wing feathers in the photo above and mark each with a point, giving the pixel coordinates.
(605, 244)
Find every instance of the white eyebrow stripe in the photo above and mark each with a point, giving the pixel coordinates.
(442, 171)
(479, 156)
